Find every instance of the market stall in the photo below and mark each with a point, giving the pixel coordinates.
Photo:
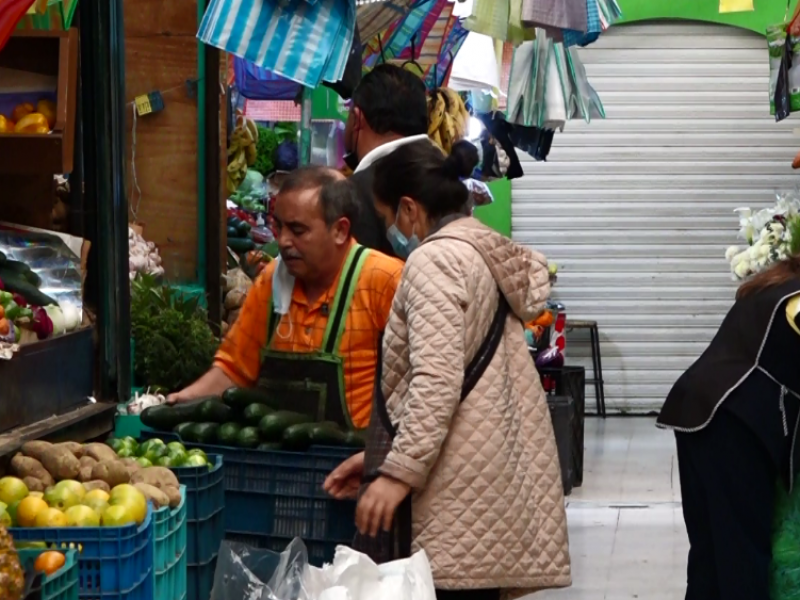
(60, 250)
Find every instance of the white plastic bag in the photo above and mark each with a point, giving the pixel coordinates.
(245, 573)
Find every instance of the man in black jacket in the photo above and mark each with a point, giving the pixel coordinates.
(389, 109)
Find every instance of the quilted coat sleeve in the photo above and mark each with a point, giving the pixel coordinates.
(435, 298)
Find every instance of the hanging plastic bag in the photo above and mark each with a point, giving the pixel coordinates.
(245, 573)
(782, 95)
(784, 71)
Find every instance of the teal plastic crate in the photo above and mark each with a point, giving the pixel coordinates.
(169, 539)
(61, 585)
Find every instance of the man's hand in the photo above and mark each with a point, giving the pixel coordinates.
(183, 396)
(377, 506)
(344, 481)
(213, 383)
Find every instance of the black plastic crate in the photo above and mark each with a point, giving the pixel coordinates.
(562, 412)
(570, 381)
(47, 378)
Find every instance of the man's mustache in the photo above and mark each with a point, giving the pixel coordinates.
(287, 254)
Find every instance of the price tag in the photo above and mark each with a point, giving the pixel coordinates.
(143, 105)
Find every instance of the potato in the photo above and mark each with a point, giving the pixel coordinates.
(113, 472)
(99, 452)
(74, 447)
(96, 485)
(61, 463)
(25, 466)
(36, 449)
(87, 461)
(152, 493)
(34, 485)
(174, 495)
(131, 465)
(160, 477)
(85, 474)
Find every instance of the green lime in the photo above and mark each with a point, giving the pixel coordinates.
(145, 447)
(154, 453)
(198, 452)
(126, 452)
(164, 461)
(178, 457)
(195, 460)
(130, 441)
(143, 462)
(115, 444)
(173, 446)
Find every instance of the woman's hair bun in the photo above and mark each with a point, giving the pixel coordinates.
(462, 160)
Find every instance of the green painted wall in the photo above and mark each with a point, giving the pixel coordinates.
(767, 12)
(497, 215)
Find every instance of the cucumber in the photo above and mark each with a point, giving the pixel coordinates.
(182, 428)
(241, 245)
(165, 417)
(248, 437)
(205, 433)
(213, 411)
(18, 284)
(253, 413)
(241, 398)
(354, 439)
(229, 433)
(297, 438)
(272, 426)
(22, 269)
(325, 435)
(243, 228)
(270, 446)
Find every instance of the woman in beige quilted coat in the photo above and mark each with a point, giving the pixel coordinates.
(482, 474)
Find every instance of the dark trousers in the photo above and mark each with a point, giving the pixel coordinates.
(728, 486)
(467, 594)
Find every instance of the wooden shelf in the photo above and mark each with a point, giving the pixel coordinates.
(52, 53)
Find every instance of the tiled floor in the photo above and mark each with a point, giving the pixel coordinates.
(627, 537)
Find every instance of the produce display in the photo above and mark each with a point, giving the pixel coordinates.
(143, 256)
(247, 418)
(25, 118)
(12, 575)
(241, 152)
(448, 118)
(85, 485)
(174, 344)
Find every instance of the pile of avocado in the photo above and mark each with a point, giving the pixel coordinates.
(247, 418)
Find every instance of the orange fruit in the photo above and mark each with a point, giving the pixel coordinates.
(29, 509)
(49, 562)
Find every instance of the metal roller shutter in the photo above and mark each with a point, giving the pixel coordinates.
(637, 209)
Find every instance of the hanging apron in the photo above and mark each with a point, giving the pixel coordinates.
(396, 544)
(312, 383)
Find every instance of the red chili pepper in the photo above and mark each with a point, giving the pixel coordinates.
(11, 13)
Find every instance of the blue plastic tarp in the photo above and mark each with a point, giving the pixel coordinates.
(256, 83)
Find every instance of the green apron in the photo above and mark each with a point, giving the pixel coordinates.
(312, 383)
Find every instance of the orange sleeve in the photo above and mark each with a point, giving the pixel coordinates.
(239, 355)
(385, 275)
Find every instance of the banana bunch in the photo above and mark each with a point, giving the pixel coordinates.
(448, 118)
(241, 152)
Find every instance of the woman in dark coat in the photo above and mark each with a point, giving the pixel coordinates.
(735, 413)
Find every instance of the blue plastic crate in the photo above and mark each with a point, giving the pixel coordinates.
(169, 539)
(205, 488)
(200, 579)
(204, 537)
(115, 563)
(273, 497)
(61, 585)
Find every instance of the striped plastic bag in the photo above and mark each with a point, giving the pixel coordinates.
(303, 40)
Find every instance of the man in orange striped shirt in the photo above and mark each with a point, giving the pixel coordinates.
(310, 326)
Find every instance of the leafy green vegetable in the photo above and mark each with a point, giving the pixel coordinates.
(174, 344)
(265, 151)
(794, 229)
